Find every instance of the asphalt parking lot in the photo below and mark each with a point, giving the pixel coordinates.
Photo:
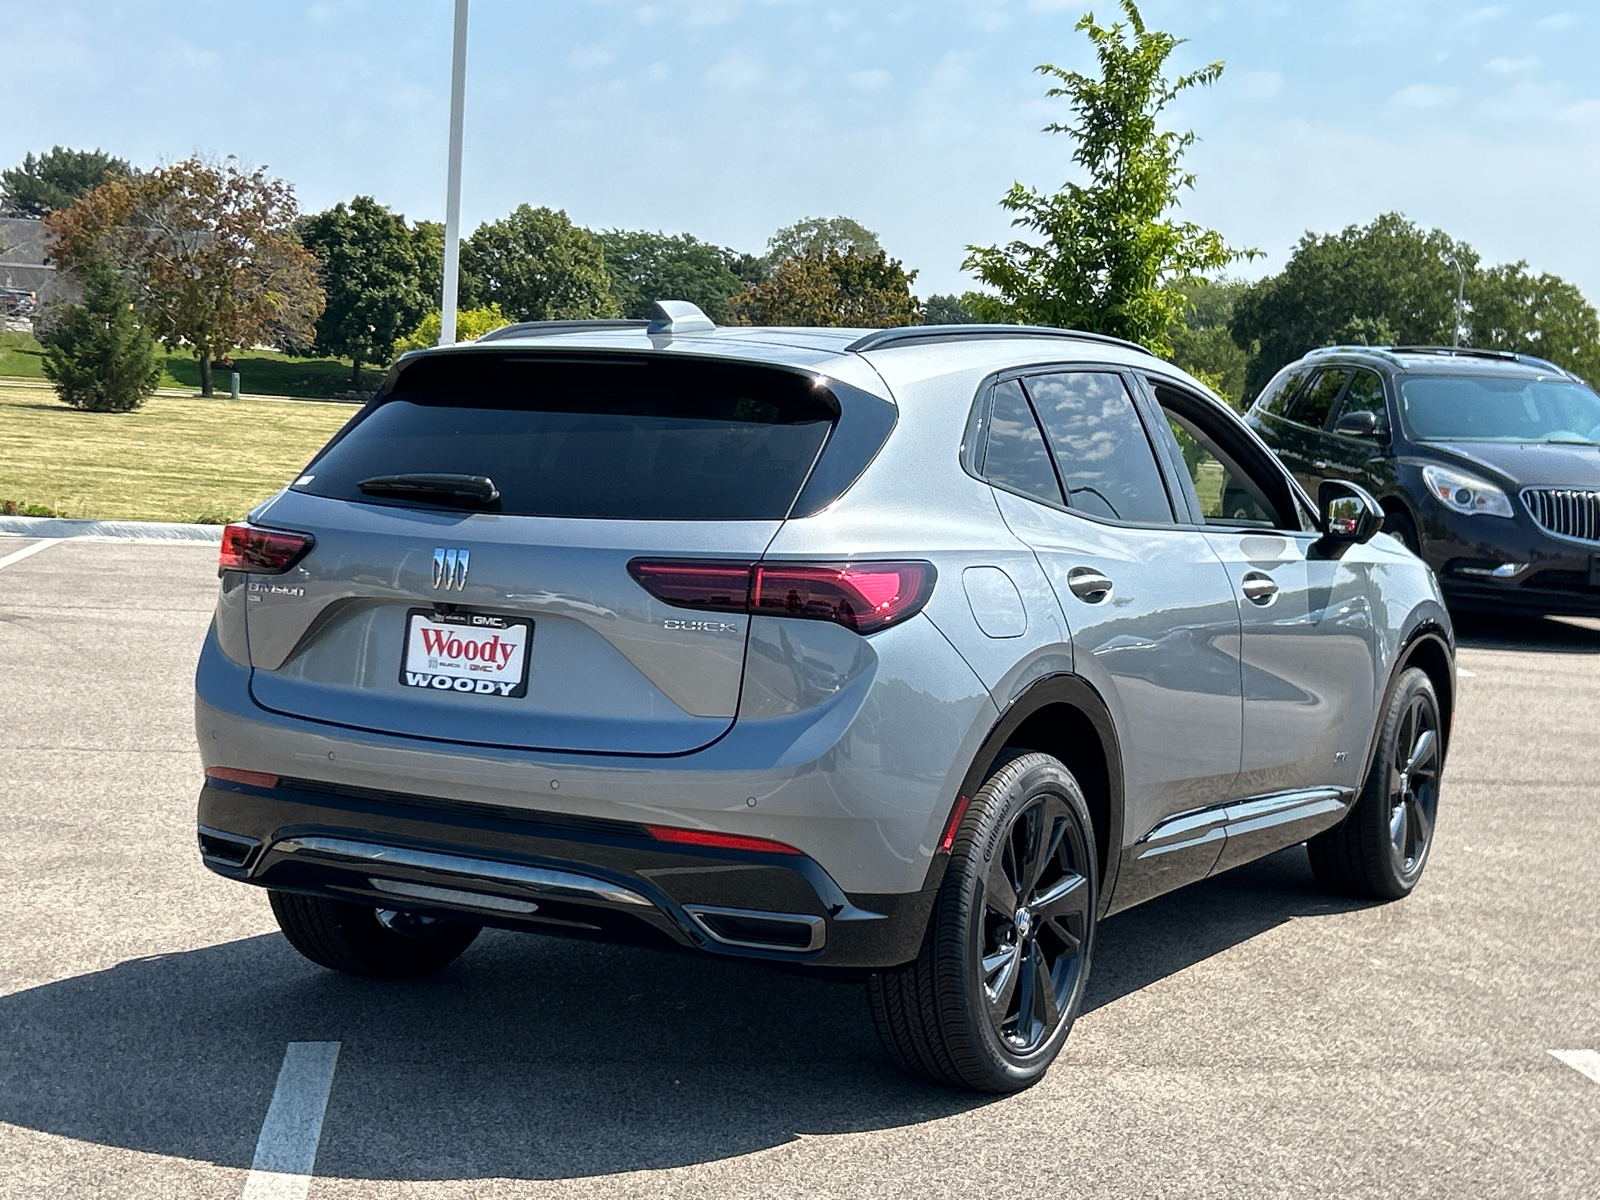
(1248, 1036)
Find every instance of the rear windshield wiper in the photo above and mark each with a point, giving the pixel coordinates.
(462, 491)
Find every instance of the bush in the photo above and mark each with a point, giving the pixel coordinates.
(471, 324)
(99, 356)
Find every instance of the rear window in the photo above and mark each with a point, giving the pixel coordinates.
(639, 439)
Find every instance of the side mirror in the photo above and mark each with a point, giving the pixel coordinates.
(1361, 424)
(1350, 515)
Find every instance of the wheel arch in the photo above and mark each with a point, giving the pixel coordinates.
(1063, 716)
(1429, 650)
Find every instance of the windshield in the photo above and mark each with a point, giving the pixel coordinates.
(1499, 408)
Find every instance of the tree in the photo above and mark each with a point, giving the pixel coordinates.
(1543, 315)
(818, 235)
(537, 266)
(1385, 283)
(949, 310)
(1109, 246)
(55, 179)
(1202, 343)
(211, 253)
(373, 277)
(98, 355)
(471, 324)
(834, 289)
(646, 267)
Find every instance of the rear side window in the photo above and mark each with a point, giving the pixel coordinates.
(1101, 450)
(1015, 456)
(1280, 391)
(626, 439)
(1311, 406)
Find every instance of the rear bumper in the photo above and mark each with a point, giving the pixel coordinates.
(550, 873)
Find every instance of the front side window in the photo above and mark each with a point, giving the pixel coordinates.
(1215, 454)
(1365, 394)
(1499, 408)
(1312, 405)
(1100, 447)
(1014, 455)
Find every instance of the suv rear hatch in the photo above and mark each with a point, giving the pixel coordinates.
(428, 609)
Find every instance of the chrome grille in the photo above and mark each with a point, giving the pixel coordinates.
(1566, 512)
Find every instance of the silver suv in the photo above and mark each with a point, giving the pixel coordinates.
(906, 655)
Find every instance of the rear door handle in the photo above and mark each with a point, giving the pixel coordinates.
(1321, 464)
(1088, 585)
(1259, 588)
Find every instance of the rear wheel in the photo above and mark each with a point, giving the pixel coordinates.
(1379, 850)
(380, 943)
(992, 996)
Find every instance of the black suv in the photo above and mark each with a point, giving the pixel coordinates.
(1487, 463)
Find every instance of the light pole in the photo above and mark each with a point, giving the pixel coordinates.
(452, 203)
(1461, 290)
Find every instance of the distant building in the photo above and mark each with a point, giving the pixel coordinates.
(22, 263)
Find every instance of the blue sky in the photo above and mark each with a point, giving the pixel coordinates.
(729, 118)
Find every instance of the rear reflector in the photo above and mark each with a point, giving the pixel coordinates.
(949, 839)
(261, 551)
(865, 596)
(258, 779)
(722, 841)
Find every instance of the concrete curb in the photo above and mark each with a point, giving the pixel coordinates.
(111, 531)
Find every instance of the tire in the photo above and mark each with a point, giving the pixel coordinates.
(1379, 850)
(989, 1001)
(376, 943)
(1399, 523)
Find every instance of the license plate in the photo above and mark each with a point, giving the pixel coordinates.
(472, 653)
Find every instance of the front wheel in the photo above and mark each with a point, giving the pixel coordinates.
(1379, 850)
(993, 994)
(360, 940)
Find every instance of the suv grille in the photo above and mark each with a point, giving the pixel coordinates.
(1566, 512)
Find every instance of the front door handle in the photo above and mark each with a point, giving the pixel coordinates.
(1321, 464)
(1259, 588)
(1088, 585)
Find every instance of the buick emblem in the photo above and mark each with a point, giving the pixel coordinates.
(450, 569)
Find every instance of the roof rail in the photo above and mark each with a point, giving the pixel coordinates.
(1381, 351)
(879, 339)
(550, 328)
(1462, 351)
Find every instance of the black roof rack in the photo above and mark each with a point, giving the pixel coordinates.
(550, 328)
(878, 339)
(1463, 351)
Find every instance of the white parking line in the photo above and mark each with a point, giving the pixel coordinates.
(19, 555)
(1585, 1061)
(287, 1148)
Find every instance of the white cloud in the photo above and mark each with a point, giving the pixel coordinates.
(1424, 95)
(1259, 85)
(1511, 66)
(870, 80)
(1560, 20)
(587, 56)
(737, 72)
(1479, 15)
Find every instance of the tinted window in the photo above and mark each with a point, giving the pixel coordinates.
(1015, 456)
(643, 440)
(1215, 453)
(1280, 391)
(1311, 406)
(1100, 447)
(1365, 395)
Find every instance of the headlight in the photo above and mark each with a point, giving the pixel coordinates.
(1466, 493)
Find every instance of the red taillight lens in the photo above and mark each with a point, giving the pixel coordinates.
(258, 779)
(865, 597)
(261, 551)
(722, 841)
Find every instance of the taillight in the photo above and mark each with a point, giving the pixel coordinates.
(261, 551)
(721, 841)
(258, 779)
(865, 596)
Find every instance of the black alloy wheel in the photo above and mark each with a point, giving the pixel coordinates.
(1379, 850)
(991, 998)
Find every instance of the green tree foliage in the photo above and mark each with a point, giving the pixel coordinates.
(427, 242)
(1202, 344)
(949, 310)
(646, 267)
(1510, 308)
(1385, 283)
(471, 324)
(1109, 246)
(373, 277)
(818, 235)
(99, 356)
(54, 180)
(210, 250)
(830, 288)
(537, 266)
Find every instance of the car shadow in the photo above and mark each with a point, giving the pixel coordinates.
(1548, 635)
(531, 1057)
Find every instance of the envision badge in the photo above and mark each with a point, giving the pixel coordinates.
(450, 569)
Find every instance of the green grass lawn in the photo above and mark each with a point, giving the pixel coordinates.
(261, 372)
(172, 460)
